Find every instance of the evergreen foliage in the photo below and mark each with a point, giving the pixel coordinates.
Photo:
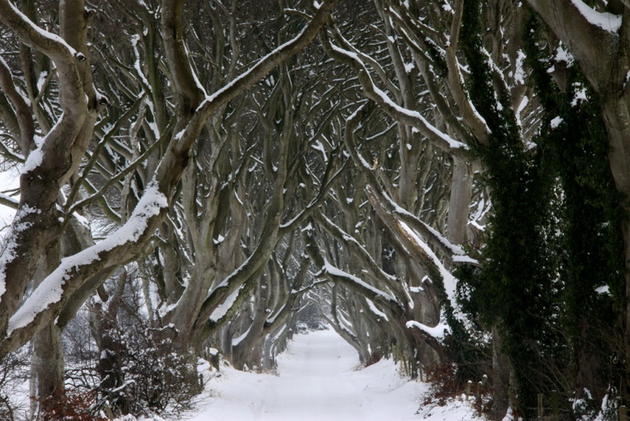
(551, 277)
(590, 244)
(511, 289)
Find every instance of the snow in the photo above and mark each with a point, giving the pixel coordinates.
(580, 96)
(136, 64)
(562, 54)
(521, 107)
(218, 240)
(10, 199)
(178, 136)
(508, 415)
(465, 259)
(41, 80)
(438, 331)
(379, 313)
(33, 161)
(272, 318)
(50, 290)
(423, 122)
(318, 146)
(9, 180)
(334, 271)
(604, 289)
(9, 245)
(212, 97)
(556, 122)
(519, 73)
(223, 308)
(452, 143)
(449, 281)
(240, 338)
(454, 248)
(45, 34)
(36, 156)
(607, 21)
(319, 381)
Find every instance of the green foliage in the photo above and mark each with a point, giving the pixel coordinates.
(512, 288)
(553, 236)
(589, 218)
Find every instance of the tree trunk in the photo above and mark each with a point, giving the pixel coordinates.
(459, 202)
(47, 362)
(47, 368)
(616, 112)
(500, 377)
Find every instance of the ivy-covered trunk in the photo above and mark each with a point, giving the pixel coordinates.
(511, 288)
(603, 57)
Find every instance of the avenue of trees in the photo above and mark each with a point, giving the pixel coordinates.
(445, 183)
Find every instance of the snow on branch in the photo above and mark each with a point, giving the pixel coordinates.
(374, 309)
(8, 201)
(222, 309)
(9, 247)
(438, 331)
(404, 115)
(357, 283)
(265, 64)
(73, 99)
(449, 281)
(51, 290)
(354, 244)
(605, 20)
(47, 42)
(395, 213)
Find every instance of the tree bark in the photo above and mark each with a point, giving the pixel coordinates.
(459, 202)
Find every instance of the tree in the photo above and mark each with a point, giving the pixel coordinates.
(59, 157)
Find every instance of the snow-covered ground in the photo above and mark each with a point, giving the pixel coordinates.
(319, 379)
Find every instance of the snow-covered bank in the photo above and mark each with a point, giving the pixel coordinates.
(319, 380)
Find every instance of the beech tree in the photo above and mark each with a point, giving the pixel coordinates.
(446, 182)
(60, 151)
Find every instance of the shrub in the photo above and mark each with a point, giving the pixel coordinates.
(445, 386)
(146, 373)
(74, 405)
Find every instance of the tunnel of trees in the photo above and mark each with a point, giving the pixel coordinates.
(444, 183)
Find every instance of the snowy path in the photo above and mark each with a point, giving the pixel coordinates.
(318, 381)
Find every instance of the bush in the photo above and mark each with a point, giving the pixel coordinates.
(445, 386)
(146, 373)
(72, 406)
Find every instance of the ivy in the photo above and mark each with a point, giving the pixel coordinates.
(512, 289)
(589, 219)
(554, 243)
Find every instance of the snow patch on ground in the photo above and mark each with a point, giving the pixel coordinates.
(319, 380)
(454, 410)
